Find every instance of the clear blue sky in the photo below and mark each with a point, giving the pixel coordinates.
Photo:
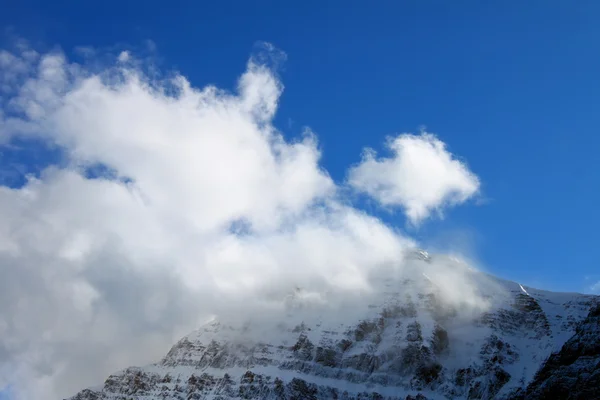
(511, 86)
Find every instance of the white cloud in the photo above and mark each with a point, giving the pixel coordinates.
(595, 288)
(13, 68)
(421, 176)
(123, 56)
(208, 210)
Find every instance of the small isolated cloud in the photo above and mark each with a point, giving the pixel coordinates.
(595, 288)
(123, 56)
(421, 176)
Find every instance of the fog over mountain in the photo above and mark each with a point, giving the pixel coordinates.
(175, 208)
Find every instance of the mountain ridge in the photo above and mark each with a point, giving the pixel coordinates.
(411, 338)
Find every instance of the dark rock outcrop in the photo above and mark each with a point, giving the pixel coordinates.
(573, 373)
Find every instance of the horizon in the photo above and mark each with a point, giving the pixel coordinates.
(156, 165)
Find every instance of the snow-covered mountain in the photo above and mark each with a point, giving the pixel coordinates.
(573, 372)
(435, 330)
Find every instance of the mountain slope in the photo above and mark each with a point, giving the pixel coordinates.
(411, 338)
(573, 372)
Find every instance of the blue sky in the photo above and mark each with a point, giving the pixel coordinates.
(510, 87)
(5, 394)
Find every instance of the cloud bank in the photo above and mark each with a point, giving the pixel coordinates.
(173, 204)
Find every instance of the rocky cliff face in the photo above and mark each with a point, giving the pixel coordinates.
(406, 344)
(574, 371)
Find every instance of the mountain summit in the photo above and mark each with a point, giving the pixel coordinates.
(425, 333)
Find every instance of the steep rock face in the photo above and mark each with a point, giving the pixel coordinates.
(403, 344)
(574, 371)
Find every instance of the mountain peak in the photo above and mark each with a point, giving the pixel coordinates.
(407, 339)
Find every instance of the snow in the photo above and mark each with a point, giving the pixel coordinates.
(467, 333)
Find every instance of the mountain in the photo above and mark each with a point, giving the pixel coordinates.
(573, 372)
(437, 329)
